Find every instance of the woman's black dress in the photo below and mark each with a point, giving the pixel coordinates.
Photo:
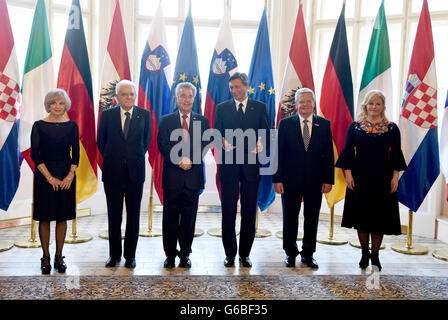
(372, 152)
(57, 146)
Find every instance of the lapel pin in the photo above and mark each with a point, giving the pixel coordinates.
(316, 125)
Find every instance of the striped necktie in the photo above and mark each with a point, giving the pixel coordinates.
(306, 134)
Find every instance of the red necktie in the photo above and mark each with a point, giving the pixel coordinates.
(185, 126)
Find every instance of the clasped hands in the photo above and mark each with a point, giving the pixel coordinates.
(64, 184)
(185, 163)
(228, 147)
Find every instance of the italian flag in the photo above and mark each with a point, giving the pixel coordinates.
(38, 79)
(377, 69)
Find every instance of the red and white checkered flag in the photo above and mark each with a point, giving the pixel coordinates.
(9, 98)
(421, 106)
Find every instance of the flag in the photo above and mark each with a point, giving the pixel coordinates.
(298, 73)
(418, 119)
(154, 90)
(187, 67)
(261, 88)
(377, 69)
(222, 67)
(336, 101)
(444, 144)
(38, 79)
(115, 66)
(75, 78)
(9, 112)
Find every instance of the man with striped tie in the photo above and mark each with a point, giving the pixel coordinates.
(305, 170)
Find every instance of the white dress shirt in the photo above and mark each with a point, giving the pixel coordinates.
(244, 102)
(310, 123)
(187, 119)
(123, 116)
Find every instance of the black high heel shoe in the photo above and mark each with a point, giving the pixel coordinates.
(376, 260)
(364, 262)
(45, 265)
(60, 266)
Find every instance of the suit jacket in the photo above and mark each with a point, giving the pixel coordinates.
(299, 169)
(226, 117)
(173, 176)
(117, 151)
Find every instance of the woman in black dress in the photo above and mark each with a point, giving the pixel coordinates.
(372, 159)
(55, 152)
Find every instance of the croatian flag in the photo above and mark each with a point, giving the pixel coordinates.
(9, 112)
(154, 89)
(418, 119)
(444, 144)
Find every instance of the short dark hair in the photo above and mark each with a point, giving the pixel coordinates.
(242, 76)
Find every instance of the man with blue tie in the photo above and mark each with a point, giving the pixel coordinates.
(123, 138)
(305, 169)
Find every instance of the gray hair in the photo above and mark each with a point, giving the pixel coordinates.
(125, 83)
(50, 98)
(242, 76)
(302, 91)
(187, 85)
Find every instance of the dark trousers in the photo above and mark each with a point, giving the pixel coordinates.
(291, 203)
(131, 193)
(248, 191)
(179, 219)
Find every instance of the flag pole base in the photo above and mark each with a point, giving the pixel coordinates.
(262, 233)
(217, 232)
(28, 243)
(355, 243)
(78, 238)
(441, 254)
(279, 234)
(6, 245)
(335, 240)
(154, 232)
(415, 249)
(198, 232)
(105, 234)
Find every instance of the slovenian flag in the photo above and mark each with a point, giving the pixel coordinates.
(38, 79)
(261, 88)
(9, 112)
(418, 119)
(154, 89)
(115, 66)
(336, 101)
(298, 72)
(378, 68)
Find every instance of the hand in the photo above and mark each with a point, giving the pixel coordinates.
(55, 183)
(349, 180)
(259, 147)
(185, 163)
(394, 182)
(227, 146)
(278, 188)
(67, 182)
(326, 187)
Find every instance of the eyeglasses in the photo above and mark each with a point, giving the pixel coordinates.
(126, 94)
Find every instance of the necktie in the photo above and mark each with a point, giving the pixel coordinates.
(185, 126)
(240, 111)
(306, 134)
(127, 122)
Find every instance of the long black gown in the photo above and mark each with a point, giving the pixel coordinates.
(57, 146)
(372, 152)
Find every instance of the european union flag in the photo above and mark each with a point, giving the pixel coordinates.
(187, 68)
(261, 88)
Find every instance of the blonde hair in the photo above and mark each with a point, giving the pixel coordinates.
(372, 94)
(50, 98)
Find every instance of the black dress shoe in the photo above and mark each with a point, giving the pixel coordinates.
(229, 262)
(375, 261)
(310, 262)
(111, 262)
(185, 262)
(45, 265)
(60, 264)
(169, 263)
(245, 262)
(290, 262)
(364, 262)
(130, 263)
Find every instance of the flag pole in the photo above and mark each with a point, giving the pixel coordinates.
(409, 247)
(32, 241)
(331, 238)
(76, 237)
(260, 233)
(150, 232)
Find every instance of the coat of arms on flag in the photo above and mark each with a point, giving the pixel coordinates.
(157, 59)
(224, 62)
(9, 93)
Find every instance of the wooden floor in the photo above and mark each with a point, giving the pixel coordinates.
(207, 257)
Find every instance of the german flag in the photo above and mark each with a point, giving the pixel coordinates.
(75, 78)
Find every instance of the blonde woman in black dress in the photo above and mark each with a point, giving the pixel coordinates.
(55, 153)
(372, 159)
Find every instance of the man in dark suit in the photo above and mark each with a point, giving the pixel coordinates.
(124, 135)
(183, 174)
(305, 170)
(239, 168)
